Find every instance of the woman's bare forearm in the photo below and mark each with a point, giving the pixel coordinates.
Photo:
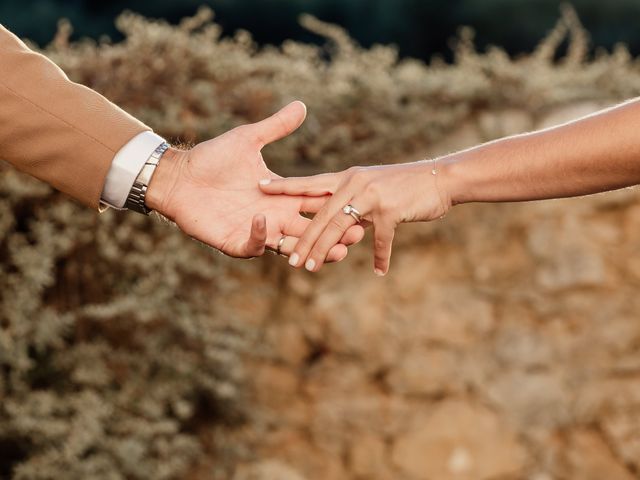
(594, 154)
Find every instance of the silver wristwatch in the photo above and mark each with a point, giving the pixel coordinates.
(137, 195)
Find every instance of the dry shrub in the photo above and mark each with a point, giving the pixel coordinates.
(116, 349)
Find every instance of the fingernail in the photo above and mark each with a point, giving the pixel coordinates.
(293, 260)
(310, 265)
(265, 181)
(378, 272)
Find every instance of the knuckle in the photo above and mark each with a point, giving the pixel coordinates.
(318, 254)
(385, 207)
(355, 175)
(323, 217)
(245, 132)
(242, 130)
(380, 262)
(388, 208)
(303, 246)
(336, 223)
(375, 191)
(373, 188)
(381, 245)
(285, 126)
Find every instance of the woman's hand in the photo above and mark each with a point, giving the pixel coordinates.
(385, 196)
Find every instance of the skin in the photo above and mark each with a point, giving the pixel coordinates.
(210, 192)
(597, 153)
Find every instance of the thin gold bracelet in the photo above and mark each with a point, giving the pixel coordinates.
(434, 172)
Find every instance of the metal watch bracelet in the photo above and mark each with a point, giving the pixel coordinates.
(137, 195)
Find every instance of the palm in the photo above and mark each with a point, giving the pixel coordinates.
(217, 196)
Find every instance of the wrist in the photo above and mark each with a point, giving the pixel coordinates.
(163, 182)
(452, 182)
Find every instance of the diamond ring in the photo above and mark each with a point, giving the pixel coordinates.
(351, 210)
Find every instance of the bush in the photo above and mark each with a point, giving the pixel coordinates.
(365, 105)
(117, 345)
(112, 351)
(420, 28)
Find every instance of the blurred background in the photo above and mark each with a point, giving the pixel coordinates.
(420, 28)
(504, 343)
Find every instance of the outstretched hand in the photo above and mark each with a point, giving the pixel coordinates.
(211, 192)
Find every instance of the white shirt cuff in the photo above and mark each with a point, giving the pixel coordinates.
(126, 166)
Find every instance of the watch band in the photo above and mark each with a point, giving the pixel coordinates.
(137, 195)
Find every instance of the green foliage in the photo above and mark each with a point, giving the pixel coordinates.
(117, 350)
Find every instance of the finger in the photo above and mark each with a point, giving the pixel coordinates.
(331, 235)
(317, 226)
(383, 233)
(336, 254)
(314, 186)
(353, 235)
(258, 237)
(313, 204)
(279, 125)
(298, 226)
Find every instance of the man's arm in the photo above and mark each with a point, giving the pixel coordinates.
(58, 131)
(76, 140)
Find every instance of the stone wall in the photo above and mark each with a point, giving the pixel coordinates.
(504, 344)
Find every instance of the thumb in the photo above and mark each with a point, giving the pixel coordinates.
(279, 125)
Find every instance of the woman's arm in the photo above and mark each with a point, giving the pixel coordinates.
(594, 154)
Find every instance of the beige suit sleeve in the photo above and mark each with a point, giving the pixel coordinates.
(58, 131)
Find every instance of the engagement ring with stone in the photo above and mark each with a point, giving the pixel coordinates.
(351, 210)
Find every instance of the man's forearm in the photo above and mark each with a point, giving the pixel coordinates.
(594, 154)
(54, 129)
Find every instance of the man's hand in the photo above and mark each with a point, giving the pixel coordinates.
(211, 192)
